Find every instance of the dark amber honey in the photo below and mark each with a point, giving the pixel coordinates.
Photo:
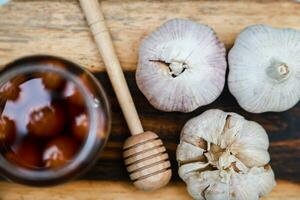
(45, 120)
(36, 129)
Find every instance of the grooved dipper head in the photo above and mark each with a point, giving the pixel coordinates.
(147, 161)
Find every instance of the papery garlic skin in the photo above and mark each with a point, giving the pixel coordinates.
(224, 156)
(181, 66)
(264, 68)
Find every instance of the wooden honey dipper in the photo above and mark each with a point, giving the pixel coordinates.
(145, 156)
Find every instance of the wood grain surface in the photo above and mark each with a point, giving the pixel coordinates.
(116, 190)
(58, 28)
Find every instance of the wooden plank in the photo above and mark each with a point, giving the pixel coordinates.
(58, 27)
(116, 190)
(283, 130)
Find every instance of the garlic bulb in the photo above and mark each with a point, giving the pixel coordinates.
(181, 66)
(224, 156)
(264, 69)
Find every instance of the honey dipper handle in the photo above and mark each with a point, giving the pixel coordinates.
(95, 19)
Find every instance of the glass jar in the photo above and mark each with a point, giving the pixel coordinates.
(54, 120)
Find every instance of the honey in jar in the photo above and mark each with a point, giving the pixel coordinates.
(54, 117)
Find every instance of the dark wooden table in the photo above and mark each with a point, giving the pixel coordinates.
(58, 28)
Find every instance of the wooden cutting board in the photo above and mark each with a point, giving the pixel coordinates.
(58, 28)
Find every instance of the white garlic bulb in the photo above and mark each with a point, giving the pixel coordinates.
(224, 156)
(264, 68)
(181, 66)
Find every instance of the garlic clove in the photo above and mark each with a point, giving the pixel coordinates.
(251, 145)
(200, 183)
(209, 126)
(266, 180)
(217, 191)
(244, 186)
(189, 153)
(264, 69)
(190, 168)
(258, 182)
(181, 66)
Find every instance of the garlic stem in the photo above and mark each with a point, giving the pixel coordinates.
(278, 71)
(177, 68)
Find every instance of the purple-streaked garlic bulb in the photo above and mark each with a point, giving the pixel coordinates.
(181, 66)
(264, 68)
